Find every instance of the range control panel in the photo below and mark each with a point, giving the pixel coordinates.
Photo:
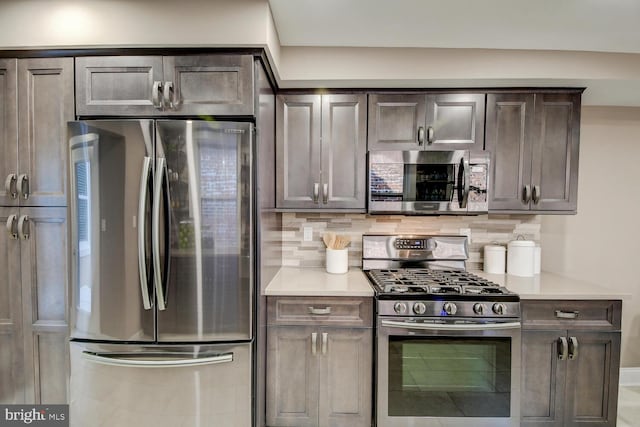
(410, 244)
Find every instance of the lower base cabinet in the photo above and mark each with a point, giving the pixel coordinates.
(319, 376)
(570, 363)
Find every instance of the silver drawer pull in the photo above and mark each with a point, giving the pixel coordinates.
(567, 314)
(320, 311)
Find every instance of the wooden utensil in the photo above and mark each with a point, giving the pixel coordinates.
(329, 239)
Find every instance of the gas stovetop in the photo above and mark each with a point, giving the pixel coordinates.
(423, 282)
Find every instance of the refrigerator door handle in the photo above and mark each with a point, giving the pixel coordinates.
(155, 233)
(142, 264)
(155, 360)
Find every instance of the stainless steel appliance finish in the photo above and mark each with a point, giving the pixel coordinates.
(161, 240)
(448, 342)
(428, 182)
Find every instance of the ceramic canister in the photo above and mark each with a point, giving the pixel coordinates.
(494, 259)
(520, 258)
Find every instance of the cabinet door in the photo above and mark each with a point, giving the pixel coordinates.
(11, 341)
(455, 122)
(117, 85)
(554, 175)
(8, 129)
(292, 376)
(344, 151)
(509, 127)
(209, 85)
(345, 377)
(298, 151)
(592, 379)
(543, 375)
(44, 274)
(397, 121)
(45, 90)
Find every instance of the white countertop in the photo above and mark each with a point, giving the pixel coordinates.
(552, 286)
(295, 281)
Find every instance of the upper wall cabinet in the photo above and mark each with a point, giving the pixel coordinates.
(36, 101)
(534, 145)
(321, 151)
(165, 85)
(426, 121)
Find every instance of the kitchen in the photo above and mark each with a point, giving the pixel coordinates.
(574, 246)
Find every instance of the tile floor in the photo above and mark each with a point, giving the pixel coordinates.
(629, 406)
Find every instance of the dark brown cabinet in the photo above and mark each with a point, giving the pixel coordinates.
(437, 121)
(164, 85)
(319, 362)
(570, 363)
(36, 101)
(321, 151)
(534, 143)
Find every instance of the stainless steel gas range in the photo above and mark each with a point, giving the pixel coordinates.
(448, 342)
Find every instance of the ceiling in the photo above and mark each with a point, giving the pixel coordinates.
(582, 25)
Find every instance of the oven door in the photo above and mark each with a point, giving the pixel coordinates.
(433, 372)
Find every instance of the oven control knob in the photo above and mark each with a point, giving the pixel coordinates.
(479, 308)
(419, 308)
(499, 308)
(400, 307)
(450, 308)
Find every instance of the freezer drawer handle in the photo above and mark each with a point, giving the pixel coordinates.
(451, 327)
(163, 360)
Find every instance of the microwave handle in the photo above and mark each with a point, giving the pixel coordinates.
(463, 183)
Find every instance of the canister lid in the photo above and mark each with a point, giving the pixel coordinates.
(495, 248)
(521, 243)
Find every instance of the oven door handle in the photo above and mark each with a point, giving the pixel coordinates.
(450, 326)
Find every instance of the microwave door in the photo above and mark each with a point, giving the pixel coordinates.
(111, 293)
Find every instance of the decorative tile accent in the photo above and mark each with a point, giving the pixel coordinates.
(482, 229)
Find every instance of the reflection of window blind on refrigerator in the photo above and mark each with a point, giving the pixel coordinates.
(83, 200)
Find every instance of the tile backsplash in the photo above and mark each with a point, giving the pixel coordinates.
(482, 230)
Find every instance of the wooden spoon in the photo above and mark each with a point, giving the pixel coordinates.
(329, 239)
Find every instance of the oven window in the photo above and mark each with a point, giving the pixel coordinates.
(429, 182)
(449, 377)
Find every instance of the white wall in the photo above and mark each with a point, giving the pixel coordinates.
(601, 244)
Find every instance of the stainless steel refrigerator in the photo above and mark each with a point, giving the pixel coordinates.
(161, 294)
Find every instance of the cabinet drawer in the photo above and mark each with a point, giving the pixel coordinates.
(347, 311)
(571, 314)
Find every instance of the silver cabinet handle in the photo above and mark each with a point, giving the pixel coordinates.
(316, 192)
(11, 227)
(573, 348)
(23, 184)
(325, 339)
(155, 233)
(23, 227)
(142, 259)
(536, 194)
(563, 348)
(156, 93)
(155, 360)
(420, 135)
(168, 96)
(10, 185)
(325, 193)
(526, 194)
(314, 342)
(320, 311)
(567, 314)
(450, 326)
(430, 134)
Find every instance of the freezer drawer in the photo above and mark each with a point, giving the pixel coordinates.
(170, 385)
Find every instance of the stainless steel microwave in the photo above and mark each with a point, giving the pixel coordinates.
(428, 182)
